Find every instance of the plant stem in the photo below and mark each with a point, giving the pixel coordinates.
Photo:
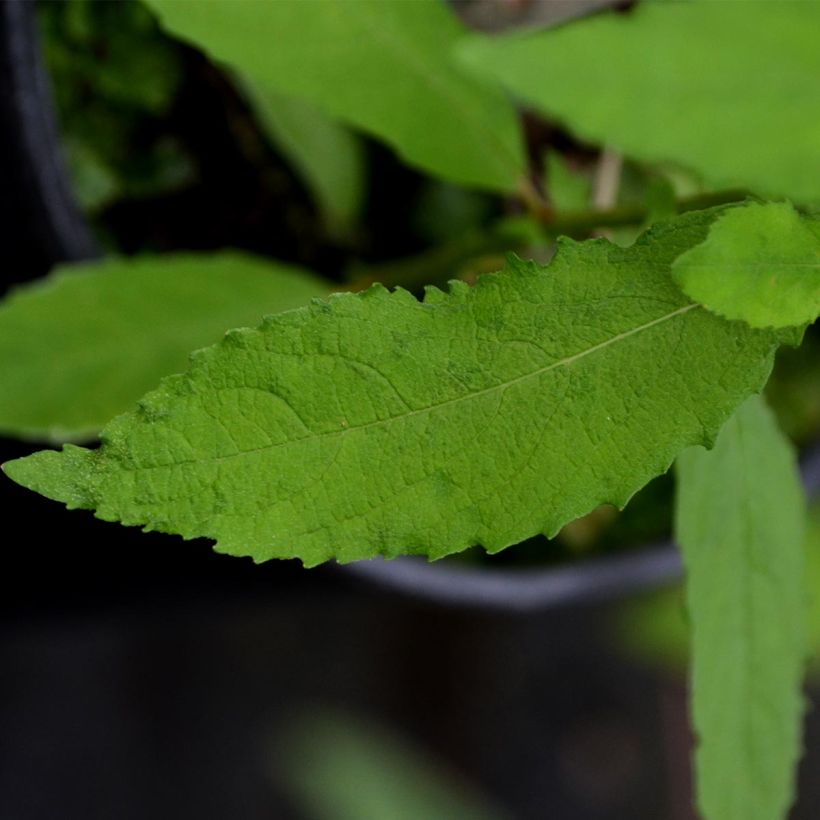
(607, 180)
(582, 222)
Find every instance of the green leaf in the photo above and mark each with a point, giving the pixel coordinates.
(740, 523)
(813, 586)
(375, 424)
(760, 263)
(327, 156)
(568, 190)
(84, 344)
(383, 67)
(341, 769)
(728, 89)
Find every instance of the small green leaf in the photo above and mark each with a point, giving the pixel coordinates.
(84, 344)
(327, 156)
(386, 68)
(740, 522)
(729, 90)
(760, 263)
(376, 424)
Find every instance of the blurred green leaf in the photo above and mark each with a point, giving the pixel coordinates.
(328, 157)
(727, 89)
(383, 67)
(813, 586)
(655, 628)
(740, 522)
(84, 344)
(568, 190)
(342, 769)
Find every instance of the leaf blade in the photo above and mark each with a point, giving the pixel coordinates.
(747, 609)
(375, 424)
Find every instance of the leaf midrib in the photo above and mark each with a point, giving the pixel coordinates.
(501, 386)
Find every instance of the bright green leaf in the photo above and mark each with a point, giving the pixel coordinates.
(376, 424)
(727, 89)
(740, 523)
(760, 263)
(84, 344)
(386, 68)
(327, 156)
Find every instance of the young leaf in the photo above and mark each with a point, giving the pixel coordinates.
(375, 424)
(740, 522)
(386, 68)
(84, 344)
(760, 263)
(671, 82)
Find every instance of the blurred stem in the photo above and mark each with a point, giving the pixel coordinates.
(536, 205)
(607, 180)
(605, 185)
(582, 222)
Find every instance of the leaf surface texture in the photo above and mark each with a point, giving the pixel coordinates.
(375, 424)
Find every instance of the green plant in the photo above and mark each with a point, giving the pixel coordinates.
(375, 423)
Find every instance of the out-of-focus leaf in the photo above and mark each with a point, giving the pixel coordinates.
(568, 190)
(728, 89)
(327, 155)
(384, 67)
(341, 769)
(740, 523)
(84, 344)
